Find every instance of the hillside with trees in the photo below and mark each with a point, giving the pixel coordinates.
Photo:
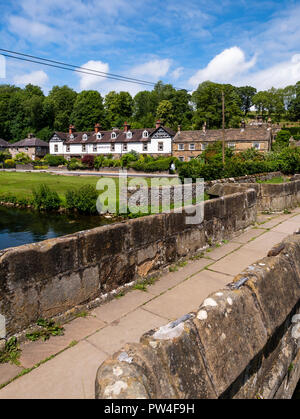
(30, 110)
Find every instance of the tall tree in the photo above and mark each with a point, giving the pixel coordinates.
(88, 110)
(246, 94)
(61, 100)
(118, 107)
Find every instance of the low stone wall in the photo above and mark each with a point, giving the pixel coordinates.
(270, 197)
(243, 342)
(48, 278)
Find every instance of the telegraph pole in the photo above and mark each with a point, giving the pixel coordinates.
(223, 128)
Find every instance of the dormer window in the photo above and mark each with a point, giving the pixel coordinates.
(99, 136)
(145, 134)
(84, 137)
(113, 135)
(129, 135)
(71, 137)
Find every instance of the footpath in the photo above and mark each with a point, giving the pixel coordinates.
(65, 366)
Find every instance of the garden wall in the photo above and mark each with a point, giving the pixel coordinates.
(243, 342)
(45, 279)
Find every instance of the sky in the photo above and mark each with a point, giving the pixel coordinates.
(253, 42)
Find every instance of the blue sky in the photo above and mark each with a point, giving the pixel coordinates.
(180, 42)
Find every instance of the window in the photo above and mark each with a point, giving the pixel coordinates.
(94, 147)
(203, 147)
(231, 145)
(26, 148)
(112, 147)
(113, 135)
(129, 135)
(181, 158)
(180, 146)
(145, 147)
(192, 146)
(84, 137)
(68, 148)
(71, 136)
(83, 148)
(145, 134)
(256, 146)
(191, 158)
(160, 146)
(99, 136)
(124, 147)
(55, 148)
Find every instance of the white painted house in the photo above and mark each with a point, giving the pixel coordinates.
(154, 141)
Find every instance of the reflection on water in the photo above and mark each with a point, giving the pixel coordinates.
(19, 227)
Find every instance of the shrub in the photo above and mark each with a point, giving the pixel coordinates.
(22, 158)
(4, 155)
(9, 163)
(84, 199)
(46, 199)
(88, 161)
(129, 157)
(54, 160)
(98, 162)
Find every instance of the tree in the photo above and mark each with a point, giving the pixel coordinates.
(59, 104)
(294, 105)
(165, 113)
(246, 94)
(118, 107)
(88, 110)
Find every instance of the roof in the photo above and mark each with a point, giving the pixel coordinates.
(137, 136)
(231, 134)
(4, 143)
(30, 142)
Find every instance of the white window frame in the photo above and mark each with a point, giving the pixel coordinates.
(83, 148)
(55, 148)
(192, 146)
(145, 147)
(95, 147)
(145, 134)
(113, 135)
(180, 146)
(124, 147)
(203, 146)
(160, 144)
(99, 136)
(129, 135)
(181, 158)
(68, 149)
(84, 137)
(231, 145)
(256, 144)
(112, 147)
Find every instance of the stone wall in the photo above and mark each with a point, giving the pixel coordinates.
(45, 279)
(270, 197)
(243, 342)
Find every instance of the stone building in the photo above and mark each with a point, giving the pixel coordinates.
(4, 145)
(32, 146)
(154, 141)
(190, 144)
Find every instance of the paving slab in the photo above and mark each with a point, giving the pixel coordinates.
(264, 243)
(248, 235)
(76, 330)
(287, 227)
(171, 279)
(219, 252)
(236, 262)
(276, 220)
(128, 329)
(187, 296)
(119, 307)
(70, 374)
(8, 371)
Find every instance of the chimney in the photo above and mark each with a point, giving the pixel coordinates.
(179, 128)
(158, 123)
(243, 125)
(204, 127)
(126, 127)
(30, 135)
(71, 129)
(97, 127)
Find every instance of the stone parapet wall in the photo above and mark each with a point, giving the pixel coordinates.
(45, 279)
(243, 342)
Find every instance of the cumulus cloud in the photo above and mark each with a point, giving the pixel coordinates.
(223, 67)
(39, 78)
(177, 73)
(153, 69)
(91, 81)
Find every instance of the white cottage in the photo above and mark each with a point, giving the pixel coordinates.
(154, 141)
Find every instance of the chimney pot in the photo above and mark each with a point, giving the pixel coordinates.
(71, 129)
(158, 123)
(97, 127)
(126, 127)
(179, 128)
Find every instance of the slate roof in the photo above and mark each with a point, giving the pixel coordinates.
(231, 134)
(4, 143)
(137, 136)
(30, 142)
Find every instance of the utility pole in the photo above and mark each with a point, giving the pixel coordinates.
(223, 128)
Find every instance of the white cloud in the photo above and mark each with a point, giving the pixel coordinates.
(177, 73)
(90, 81)
(39, 78)
(223, 67)
(153, 69)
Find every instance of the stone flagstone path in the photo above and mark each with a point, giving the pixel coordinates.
(88, 341)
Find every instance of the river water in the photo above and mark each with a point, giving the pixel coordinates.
(19, 226)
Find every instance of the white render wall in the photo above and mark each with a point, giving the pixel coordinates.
(103, 148)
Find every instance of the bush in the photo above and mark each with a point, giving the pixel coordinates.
(54, 160)
(4, 155)
(88, 161)
(98, 162)
(22, 158)
(9, 163)
(45, 199)
(84, 199)
(75, 164)
(129, 157)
